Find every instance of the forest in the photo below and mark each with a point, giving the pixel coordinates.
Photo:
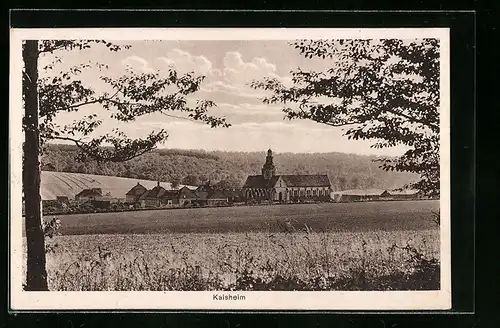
(230, 169)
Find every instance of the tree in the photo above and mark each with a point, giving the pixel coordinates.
(36, 277)
(342, 183)
(132, 95)
(175, 181)
(191, 180)
(229, 183)
(384, 90)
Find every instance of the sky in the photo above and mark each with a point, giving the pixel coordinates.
(229, 66)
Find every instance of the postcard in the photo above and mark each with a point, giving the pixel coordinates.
(230, 169)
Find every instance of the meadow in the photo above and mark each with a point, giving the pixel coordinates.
(357, 246)
(327, 217)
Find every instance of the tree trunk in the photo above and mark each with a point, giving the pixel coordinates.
(36, 275)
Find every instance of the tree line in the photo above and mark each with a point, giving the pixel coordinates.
(230, 169)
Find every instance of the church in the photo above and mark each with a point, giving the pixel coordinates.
(286, 188)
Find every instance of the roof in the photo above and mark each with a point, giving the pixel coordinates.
(90, 192)
(136, 190)
(206, 187)
(217, 195)
(258, 181)
(312, 180)
(185, 192)
(361, 192)
(156, 192)
(233, 192)
(202, 195)
(403, 192)
(170, 194)
(316, 180)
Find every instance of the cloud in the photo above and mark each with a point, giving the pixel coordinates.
(220, 86)
(232, 78)
(246, 108)
(137, 63)
(240, 72)
(185, 62)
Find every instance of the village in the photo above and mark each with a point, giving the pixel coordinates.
(268, 188)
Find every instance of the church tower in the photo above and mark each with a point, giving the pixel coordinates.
(268, 169)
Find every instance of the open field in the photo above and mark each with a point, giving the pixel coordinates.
(405, 260)
(351, 246)
(330, 217)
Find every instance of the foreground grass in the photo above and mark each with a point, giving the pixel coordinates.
(405, 260)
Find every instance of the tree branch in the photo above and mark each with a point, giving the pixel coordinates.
(51, 49)
(413, 119)
(82, 147)
(339, 124)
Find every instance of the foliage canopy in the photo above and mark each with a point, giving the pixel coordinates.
(385, 90)
(131, 95)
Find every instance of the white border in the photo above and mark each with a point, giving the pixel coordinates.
(334, 300)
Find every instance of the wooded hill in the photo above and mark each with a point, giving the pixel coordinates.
(230, 169)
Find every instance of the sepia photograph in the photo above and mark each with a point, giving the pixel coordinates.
(230, 169)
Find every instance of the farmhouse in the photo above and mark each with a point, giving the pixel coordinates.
(133, 194)
(161, 197)
(186, 196)
(153, 197)
(284, 188)
(207, 187)
(89, 194)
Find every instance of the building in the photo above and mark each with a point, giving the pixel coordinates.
(403, 194)
(234, 195)
(285, 188)
(207, 187)
(89, 194)
(186, 197)
(135, 193)
(357, 195)
(153, 197)
(217, 198)
(161, 197)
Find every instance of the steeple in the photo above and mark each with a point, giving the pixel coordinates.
(268, 169)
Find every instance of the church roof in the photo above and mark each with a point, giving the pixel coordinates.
(258, 181)
(316, 180)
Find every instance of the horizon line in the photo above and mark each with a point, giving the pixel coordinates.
(243, 151)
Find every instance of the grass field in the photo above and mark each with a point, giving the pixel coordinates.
(329, 217)
(356, 246)
(253, 261)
